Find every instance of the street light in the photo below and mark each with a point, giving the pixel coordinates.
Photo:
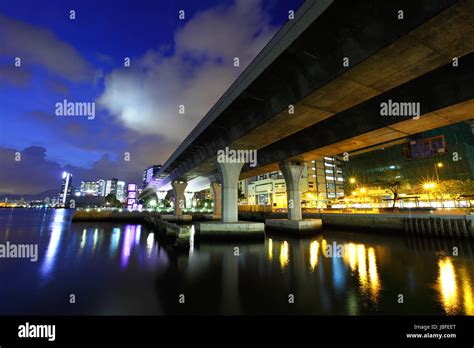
(438, 165)
(429, 186)
(352, 180)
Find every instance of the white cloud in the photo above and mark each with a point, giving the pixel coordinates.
(146, 96)
(40, 46)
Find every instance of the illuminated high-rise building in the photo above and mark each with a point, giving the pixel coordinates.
(121, 191)
(111, 187)
(101, 187)
(66, 188)
(149, 174)
(89, 188)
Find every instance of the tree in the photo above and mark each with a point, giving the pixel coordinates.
(165, 203)
(204, 203)
(391, 181)
(454, 188)
(445, 188)
(112, 201)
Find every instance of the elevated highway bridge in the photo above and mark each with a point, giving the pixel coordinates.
(318, 87)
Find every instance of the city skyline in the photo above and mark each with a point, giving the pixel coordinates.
(78, 58)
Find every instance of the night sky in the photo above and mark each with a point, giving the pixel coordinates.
(173, 62)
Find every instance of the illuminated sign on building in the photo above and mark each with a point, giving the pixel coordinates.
(132, 201)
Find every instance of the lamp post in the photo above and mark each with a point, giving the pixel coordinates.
(354, 193)
(352, 181)
(363, 191)
(429, 186)
(438, 165)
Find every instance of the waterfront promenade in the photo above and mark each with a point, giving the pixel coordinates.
(433, 224)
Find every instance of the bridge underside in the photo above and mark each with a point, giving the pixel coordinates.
(337, 108)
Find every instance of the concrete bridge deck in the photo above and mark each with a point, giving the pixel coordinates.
(333, 66)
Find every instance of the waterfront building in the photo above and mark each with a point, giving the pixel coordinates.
(426, 167)
(66, 188)
(132, 197)
(445, 153)
(89, 188)
(101, 184)
(322, 182)
(121, 191)
(203, 195)
(325, 178)
(149, 174)
(111, 187)
(97, 188)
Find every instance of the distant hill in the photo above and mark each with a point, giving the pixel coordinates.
(39, 196)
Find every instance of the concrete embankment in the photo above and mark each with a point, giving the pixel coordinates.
(112, 216)
(416, 224)
(168, 230)
(436, 225)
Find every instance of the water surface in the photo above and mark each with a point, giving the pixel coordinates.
(124, 269)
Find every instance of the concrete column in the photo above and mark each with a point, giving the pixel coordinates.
(229, 173)
(189, 199)
(217, 193)
(178, 189)
(292, 173)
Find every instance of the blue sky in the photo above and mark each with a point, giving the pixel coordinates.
(173, 62)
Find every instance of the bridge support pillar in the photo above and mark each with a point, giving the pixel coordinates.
(217, 194)
(179, 201)
(292, 173)
(229, 173)
(229, 227)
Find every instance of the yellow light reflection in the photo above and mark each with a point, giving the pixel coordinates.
(373, 274)
(313, 254)
(447, 286)
(357, 257)
(351, 255)
(362, 265)
(284, 254)
(323, 245)
(270, 249)
(467, 293)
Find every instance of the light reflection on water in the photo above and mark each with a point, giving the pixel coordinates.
(284, 254)
(313, 254)
(455, 288)
(360, 262)
(129, 270)
(55, 237)
(467, 289)
(270, 249)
